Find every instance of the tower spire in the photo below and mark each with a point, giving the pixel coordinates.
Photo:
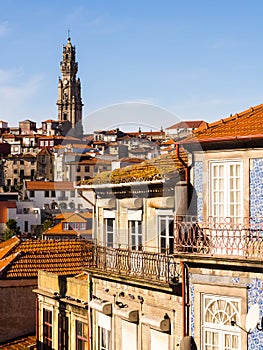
(69, 91)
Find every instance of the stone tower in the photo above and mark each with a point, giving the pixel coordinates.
(69, 92)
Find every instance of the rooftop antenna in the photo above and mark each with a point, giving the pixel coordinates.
(68, 33)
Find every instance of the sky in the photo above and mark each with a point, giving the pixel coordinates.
(177, 60)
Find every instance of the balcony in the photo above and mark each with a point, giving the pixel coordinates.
(239, 238)
(134, 264)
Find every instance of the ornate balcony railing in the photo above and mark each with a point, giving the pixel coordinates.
(144, 265)
(239, 237)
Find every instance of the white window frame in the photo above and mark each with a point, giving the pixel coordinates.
(129, 335)
(158, 340)
(222, 310)
(104, 328)
(108, 233)
(135, 234)
(226, 191)
(165, 237)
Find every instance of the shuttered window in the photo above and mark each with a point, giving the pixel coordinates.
(159, 340)
(129, 336)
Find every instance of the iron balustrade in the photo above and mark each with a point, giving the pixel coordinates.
(239, 237)
(140, 264)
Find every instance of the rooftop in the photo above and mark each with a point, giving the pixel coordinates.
(159, 168)
(192, 124)
(25, 258)
(245, 125)
(49, 185)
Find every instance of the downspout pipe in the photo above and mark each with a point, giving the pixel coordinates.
(183, 301)
(187, 168)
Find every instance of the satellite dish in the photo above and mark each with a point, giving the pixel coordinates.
(252, 318)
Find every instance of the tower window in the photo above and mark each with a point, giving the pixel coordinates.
(65, 116)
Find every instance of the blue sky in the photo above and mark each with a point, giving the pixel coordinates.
(195, 59)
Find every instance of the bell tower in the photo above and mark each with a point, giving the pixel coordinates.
(69, 91)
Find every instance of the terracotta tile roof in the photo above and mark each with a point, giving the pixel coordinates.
(7, 246)
(50, 121)
(245, 125)
(49, 185)
(67, 216)
(147, 133)
(22, 343)
(57, 230)
(163, 167)
(44, 150)
(62, 257)
(193, 124)
(130, 160)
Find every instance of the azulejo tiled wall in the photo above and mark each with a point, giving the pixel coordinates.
(255, 296)
(256, 187)
(198, 185)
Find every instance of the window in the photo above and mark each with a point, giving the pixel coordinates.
(109, 230)
(82, 336)
(46, 193)
(32, 194)
(26, 226)
(72, 205)
(53, 193)
(47, 329)
(78, 178)
(166, 233)
(72, 193)
(42, 143)
(135, 234)
(46, 143)
(62, 332)
(104, 332)
(129, 335)
(226, 190)
(78, 169)
(159, 340)
(217, 332)
(86, 168)
(65, 226)
(83, 226)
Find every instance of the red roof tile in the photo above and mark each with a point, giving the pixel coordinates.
(7, 246)
(61, 257)
(245, 125)
(192, 124)
(49, 185)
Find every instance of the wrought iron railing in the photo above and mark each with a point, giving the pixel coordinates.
(227, 237)
(141, 264)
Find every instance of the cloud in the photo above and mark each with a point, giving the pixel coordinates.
(4, 28)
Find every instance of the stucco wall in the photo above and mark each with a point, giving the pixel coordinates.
(18, 310)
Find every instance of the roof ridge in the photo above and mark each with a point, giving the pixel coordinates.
(231, 117)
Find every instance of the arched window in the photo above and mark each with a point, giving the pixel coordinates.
(217, 332)
(72, 205)
(63, 205)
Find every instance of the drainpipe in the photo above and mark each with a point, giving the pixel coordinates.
(187, 172)
(183, 300)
